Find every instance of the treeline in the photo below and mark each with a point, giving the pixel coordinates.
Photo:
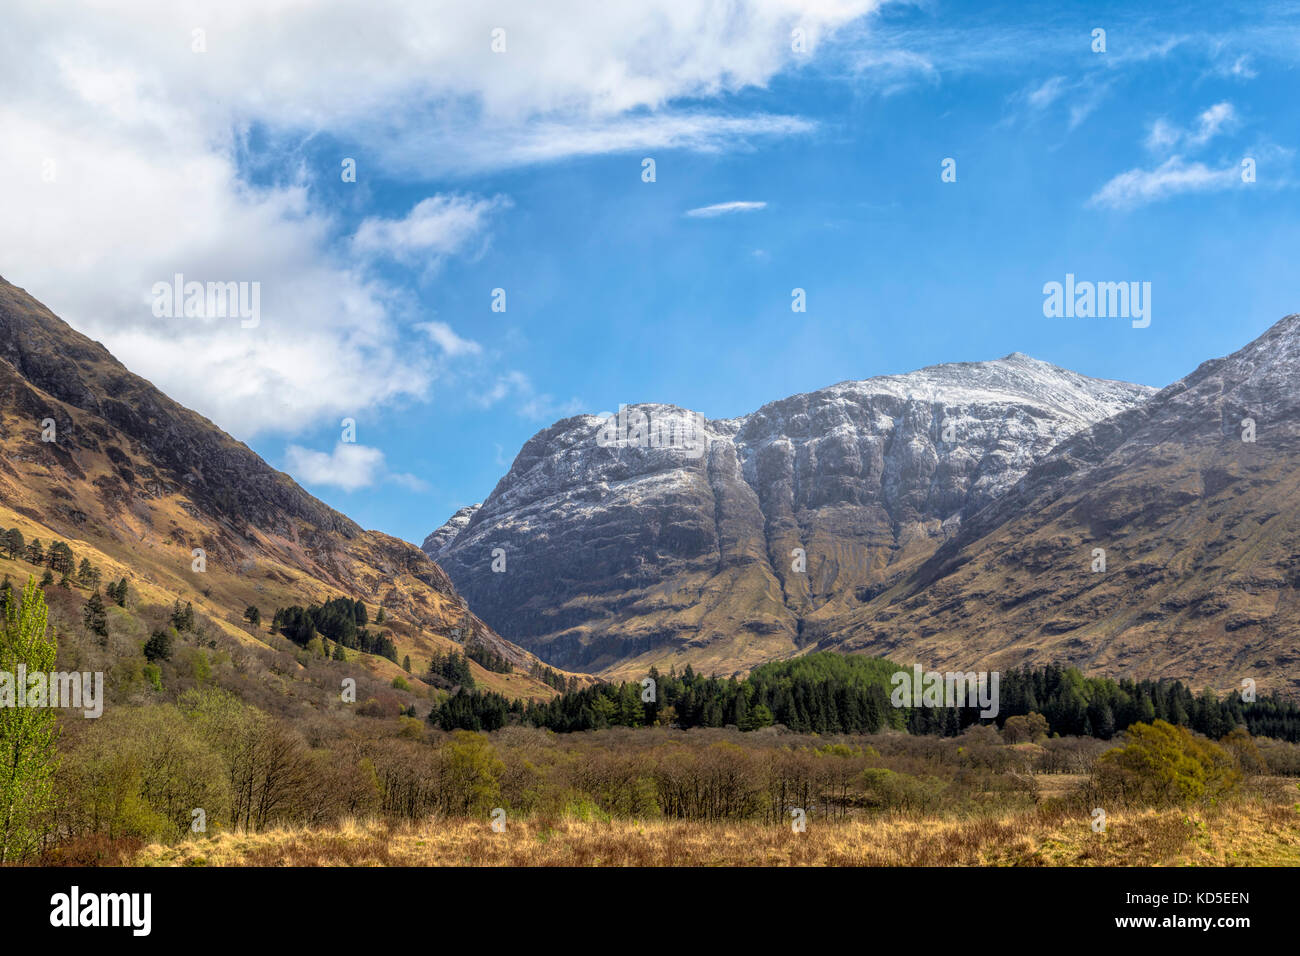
(59, 559)
(487, 658)
(553, 678)
(340, 620)
(830, 693)
(450, 670)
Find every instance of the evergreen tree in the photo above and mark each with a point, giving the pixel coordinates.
(183, 617)
(158, 647)
(36, 553)
(94, 616)
(252, 615)
(14, 543)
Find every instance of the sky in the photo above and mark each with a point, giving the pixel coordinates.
(920, 170)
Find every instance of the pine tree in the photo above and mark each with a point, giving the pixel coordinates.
(36, 553)
(94, 616)
(27, 734)
(158, 647)
(183, 617)
(85, 573)
(14, 543)
(252, 615)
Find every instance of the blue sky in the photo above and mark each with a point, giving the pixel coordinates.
(1123, 165)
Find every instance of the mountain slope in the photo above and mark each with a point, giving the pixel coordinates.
(1201, 533)
(136, 482)
(619, 557)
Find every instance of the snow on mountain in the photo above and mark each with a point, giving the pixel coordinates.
(618, 552)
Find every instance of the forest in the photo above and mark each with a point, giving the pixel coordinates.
(830, 693)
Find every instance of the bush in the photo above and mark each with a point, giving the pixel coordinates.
(886, 790)
(1161, 765)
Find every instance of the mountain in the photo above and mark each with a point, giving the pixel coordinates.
(1200, 529)
(618, 556)
(135, 482)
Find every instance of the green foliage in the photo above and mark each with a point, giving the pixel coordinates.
(60, 559)
(339, 619)
(140, 772)
(183, 617)
(14, 543)
(95, 616)
(253, 615)
(27, 734)
(450, 670)
(467, 710)
(471, 772)
(159, 645)
(890, 790)
(1161, 765)
(487, 658)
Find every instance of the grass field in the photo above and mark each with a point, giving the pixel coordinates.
(1251, 832)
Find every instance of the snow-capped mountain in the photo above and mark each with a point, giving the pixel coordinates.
(724, 543)
(1161, 542)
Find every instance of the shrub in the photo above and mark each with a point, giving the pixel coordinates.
(1161, 765)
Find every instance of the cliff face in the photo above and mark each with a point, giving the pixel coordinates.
(769, 533)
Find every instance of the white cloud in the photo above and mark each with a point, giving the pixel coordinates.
(517, 390)
(1047, 93)
(1212, 122)
(149, 138)
(1175, 176)
(429, 151)
(451, 344)
(724, 209)
(1164, 136)
(436, 227)
(350, 466)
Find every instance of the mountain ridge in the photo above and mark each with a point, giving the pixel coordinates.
(143, 481)
(867, 454)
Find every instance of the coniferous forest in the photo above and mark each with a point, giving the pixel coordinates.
(829, 693)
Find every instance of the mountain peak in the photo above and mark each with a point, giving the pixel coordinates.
(626, 556)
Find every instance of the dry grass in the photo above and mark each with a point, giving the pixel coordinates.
(1245, 833)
